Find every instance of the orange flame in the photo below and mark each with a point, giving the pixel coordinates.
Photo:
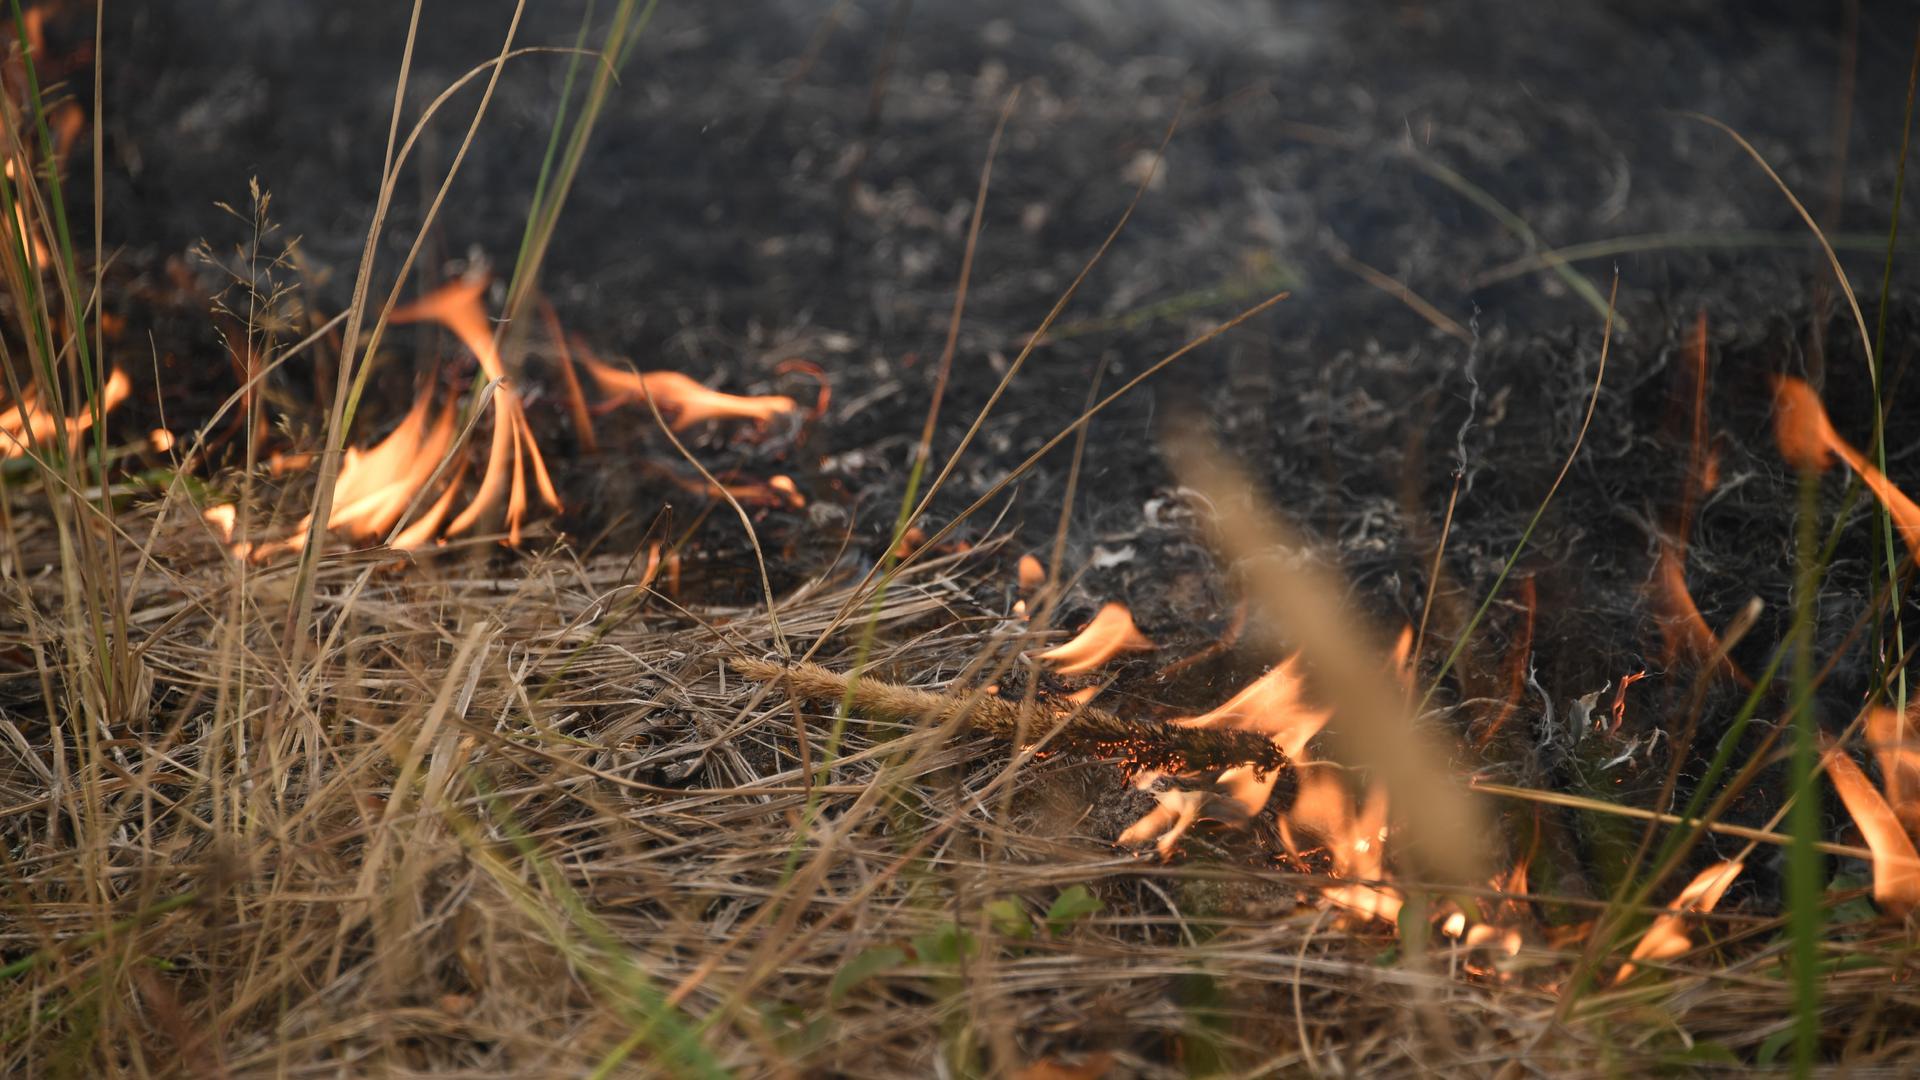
(1620, 699)
(1667, 937)
(1808, 441)
(1032, 574)
(1475, 935)
(221, 517)
(1110, 633)
(780, 491)
(1898, 750)
(27, 423)
(1683, 630)
(1896, 866)
(1516, 663)
(375, 487)
(457, 306)
(1355, 838)
(683, 401)
(1273, 705)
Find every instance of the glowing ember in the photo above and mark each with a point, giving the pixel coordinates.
(1110, 633)
(1896, 866)
(1897, 747)
(27, 424)
(1808, 441)
(683, 401)
(160, 440)
(1667, 937)
(457, 307)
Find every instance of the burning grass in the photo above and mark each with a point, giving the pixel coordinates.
(284, 794)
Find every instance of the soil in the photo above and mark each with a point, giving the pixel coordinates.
(786, 179)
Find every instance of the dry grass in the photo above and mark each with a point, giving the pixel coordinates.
(525, 819)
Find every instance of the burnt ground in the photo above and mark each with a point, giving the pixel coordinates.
(766, 185)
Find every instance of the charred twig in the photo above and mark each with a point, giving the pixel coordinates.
(1151, 744)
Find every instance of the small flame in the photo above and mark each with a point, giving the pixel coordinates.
(1620, 699)
(457, 306)
(1667, 937)
(160, 440)
(780, 491)
(1403, 656)
(1032, 574)
(376, 485)
(1808, 441)
(1110, 633)
(1355, 838)
(1683, 630)
(1897, 748)
(27, 423)
(221, 517)
(682, 400)
(1896, 866)
(281, 464)
(1517, 664)
(1272, 705)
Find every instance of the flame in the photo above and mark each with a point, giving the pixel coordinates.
(457, 306)
(160, 440)
(1516, 664)
(36, 242)
(1273, 705)
(1110, 633)
(280, 464)
(779, 491)
(1475, 935)
(221, 517)
(1620, 699)
(1683, 630)
(376, 485)
(1032, 574)
(682, 400)
(1808, 441)
(1895, 746)
(1667, 937)
(27, 423)
(1896, 866)
(1354, 837)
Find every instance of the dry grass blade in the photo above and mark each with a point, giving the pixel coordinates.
(1081, 728)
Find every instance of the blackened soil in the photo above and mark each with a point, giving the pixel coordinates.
(768, 183)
